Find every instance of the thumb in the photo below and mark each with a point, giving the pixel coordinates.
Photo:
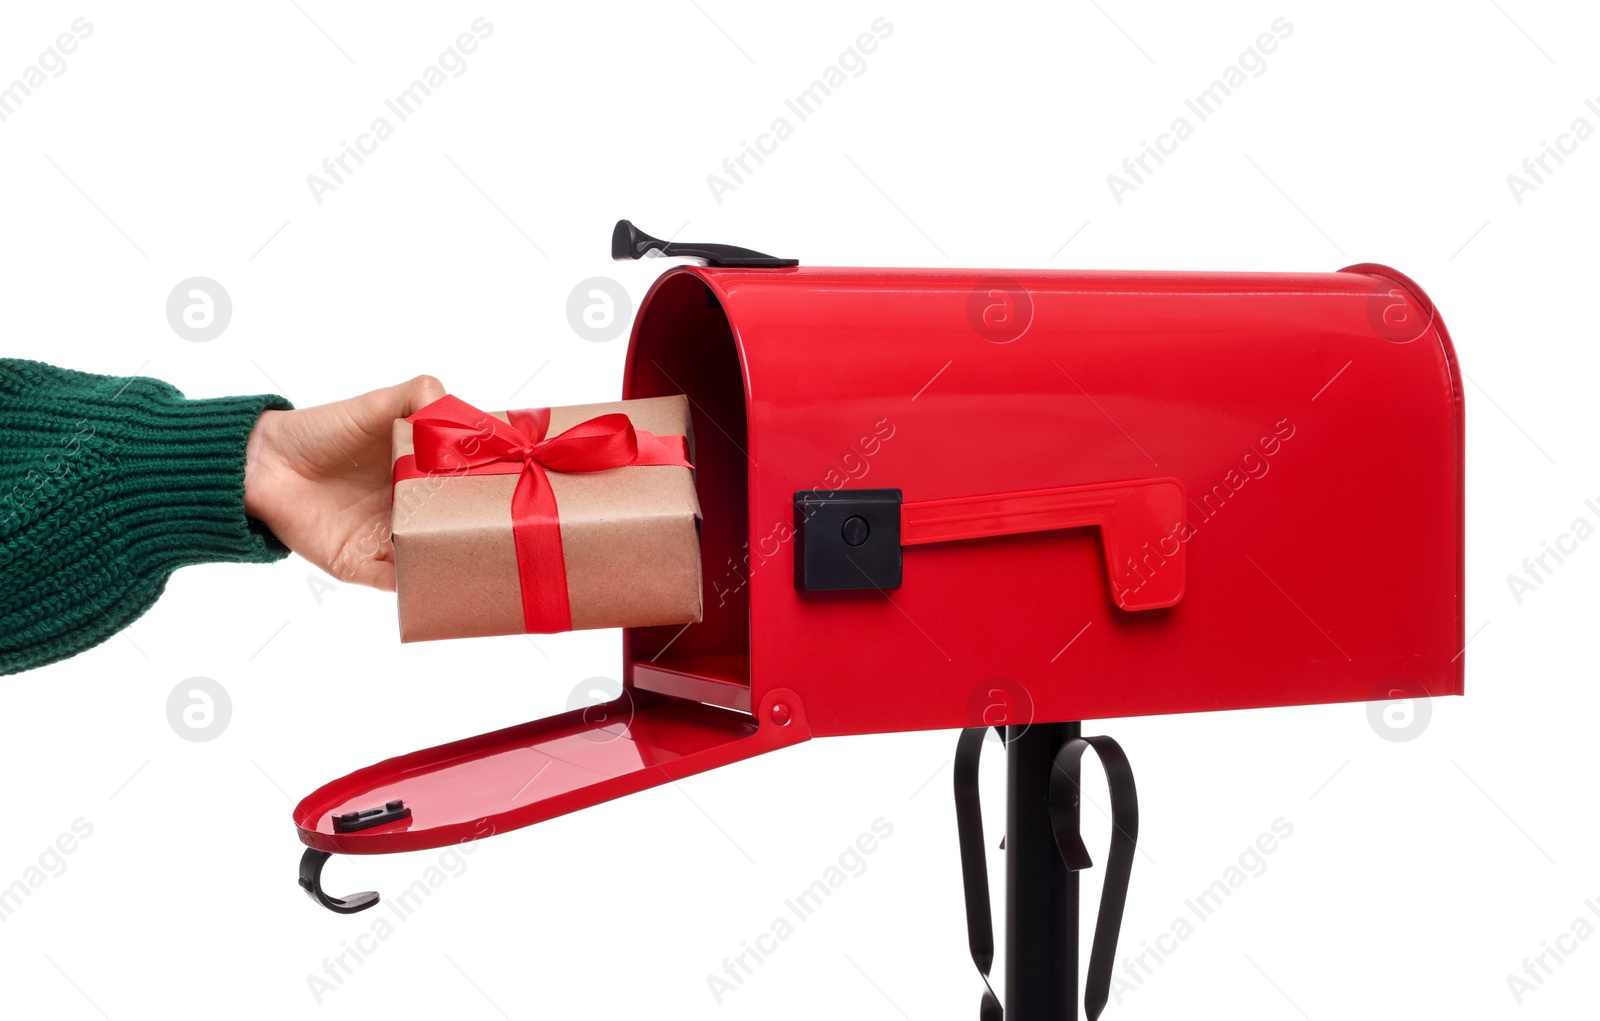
(419, 393)
(375, 411)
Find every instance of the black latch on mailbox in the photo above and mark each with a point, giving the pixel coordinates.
(848, 539)
(389, 811)
(629, 242)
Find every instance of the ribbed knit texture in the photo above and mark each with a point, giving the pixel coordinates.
(108, 485)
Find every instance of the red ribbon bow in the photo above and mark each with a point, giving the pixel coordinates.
(451, 437)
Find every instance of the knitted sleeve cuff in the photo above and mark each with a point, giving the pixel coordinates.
(107, 486)
(182, 464)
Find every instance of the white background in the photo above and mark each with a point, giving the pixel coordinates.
(1419, 875)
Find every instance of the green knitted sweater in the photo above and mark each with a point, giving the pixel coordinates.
(108, 485)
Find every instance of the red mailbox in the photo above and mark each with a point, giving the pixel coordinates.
(958, 498)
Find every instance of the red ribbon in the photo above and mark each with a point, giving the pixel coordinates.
(451, 437)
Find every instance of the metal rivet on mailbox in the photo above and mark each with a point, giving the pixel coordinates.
(780, 714)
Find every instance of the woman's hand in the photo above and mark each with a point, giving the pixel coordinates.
(319, 478)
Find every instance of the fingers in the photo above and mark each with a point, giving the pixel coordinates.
(367, 559)
(373, 571)
(378, 574)
(354, 484)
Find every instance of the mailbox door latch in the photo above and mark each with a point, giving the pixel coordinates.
(847, 539)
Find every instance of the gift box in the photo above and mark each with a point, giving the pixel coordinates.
(544, 520)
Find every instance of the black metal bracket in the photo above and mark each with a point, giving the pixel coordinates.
(1045, 855)
(1064, 804)
(311, 882)
(975, 864)
(629, 242)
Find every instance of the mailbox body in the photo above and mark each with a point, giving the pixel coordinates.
(1234, 491)
(1314, 422)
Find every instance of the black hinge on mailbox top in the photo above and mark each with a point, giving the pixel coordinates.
(629, 242)
(848, 539)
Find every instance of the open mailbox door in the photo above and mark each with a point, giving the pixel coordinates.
(526, 774)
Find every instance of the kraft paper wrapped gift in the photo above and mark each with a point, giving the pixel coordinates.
(615, 547)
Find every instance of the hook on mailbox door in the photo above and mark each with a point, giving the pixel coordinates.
(311, 882)
(395, 810)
